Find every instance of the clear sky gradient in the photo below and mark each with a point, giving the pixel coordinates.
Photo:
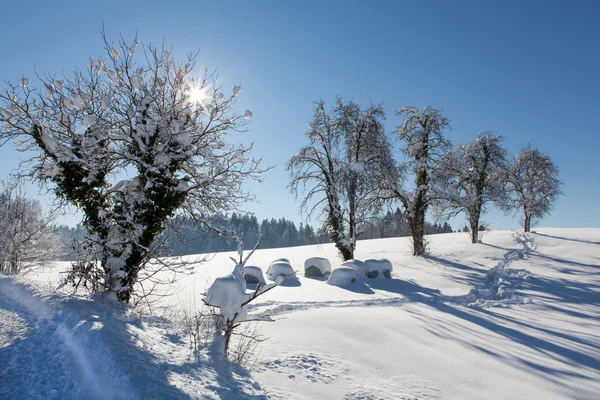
(529, 70)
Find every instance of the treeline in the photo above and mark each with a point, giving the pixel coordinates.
(184, 236)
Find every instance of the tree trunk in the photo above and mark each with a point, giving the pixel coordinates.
(474, 221)
(527, 224)
(346, 252)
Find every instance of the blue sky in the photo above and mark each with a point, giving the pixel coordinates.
(529, 70)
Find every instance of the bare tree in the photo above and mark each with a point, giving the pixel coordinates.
(471, 176)
(130, 115)
(26, 235)
(534, 185)
(342, 166)
(425, 144)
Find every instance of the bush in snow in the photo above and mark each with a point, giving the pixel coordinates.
(378, 268)
(148, 116)
(253, 275)
(280, 268)
(228, 295)
(343, 276)
(317, 267)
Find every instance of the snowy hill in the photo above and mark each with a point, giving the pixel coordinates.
(511, 318)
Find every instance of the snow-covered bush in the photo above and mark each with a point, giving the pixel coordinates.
(358, 266)
(253, 275)
(342, 276)
(317, 267)
(145, 114)
(378, 268)
(282, 259)
(280, 268)
(228, 295)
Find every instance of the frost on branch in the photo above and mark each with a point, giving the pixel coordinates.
(146, 118)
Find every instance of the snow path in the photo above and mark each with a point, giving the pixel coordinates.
(63, 352)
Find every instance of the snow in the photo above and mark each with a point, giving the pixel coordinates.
(228, 293)
(442, 327)
(279, 268)
(358, 266)
(342, 276)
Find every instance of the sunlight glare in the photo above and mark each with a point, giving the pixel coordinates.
(198, 96)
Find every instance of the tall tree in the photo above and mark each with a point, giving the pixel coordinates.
(471, 176)
(424, 145)
(340, 167)
(534, 184)
(144, 115)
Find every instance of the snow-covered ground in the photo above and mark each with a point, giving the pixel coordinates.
(511, 318)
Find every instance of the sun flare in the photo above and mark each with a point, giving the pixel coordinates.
(198, 96)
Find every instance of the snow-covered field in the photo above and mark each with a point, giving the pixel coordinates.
(512, 318)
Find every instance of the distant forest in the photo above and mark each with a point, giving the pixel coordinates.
(184, 236)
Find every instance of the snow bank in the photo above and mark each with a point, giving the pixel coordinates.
(343, 275)
(317, 267)
(253, 274)
(378, 268)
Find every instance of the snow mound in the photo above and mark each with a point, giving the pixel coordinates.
(378, 268)
(358, 266)
(280, 268)
(342, 276)
(283, 259)
(254, 275)
(228, 293)
(317, 267)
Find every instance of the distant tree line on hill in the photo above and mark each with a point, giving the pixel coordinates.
(184, 236)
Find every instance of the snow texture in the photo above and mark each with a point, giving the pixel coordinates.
(338, 342)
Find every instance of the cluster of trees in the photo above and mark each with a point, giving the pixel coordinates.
(347, 173)
(147, 118)
(26, 234)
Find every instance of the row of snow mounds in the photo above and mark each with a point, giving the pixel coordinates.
(352, 271)
(499, 289)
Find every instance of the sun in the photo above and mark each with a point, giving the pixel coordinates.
(198, 96)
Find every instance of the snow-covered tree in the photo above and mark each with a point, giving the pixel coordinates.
(145, 117)
(472, 176)
(341, 167)
(26, 235)
(533, 183)
(424, 145)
